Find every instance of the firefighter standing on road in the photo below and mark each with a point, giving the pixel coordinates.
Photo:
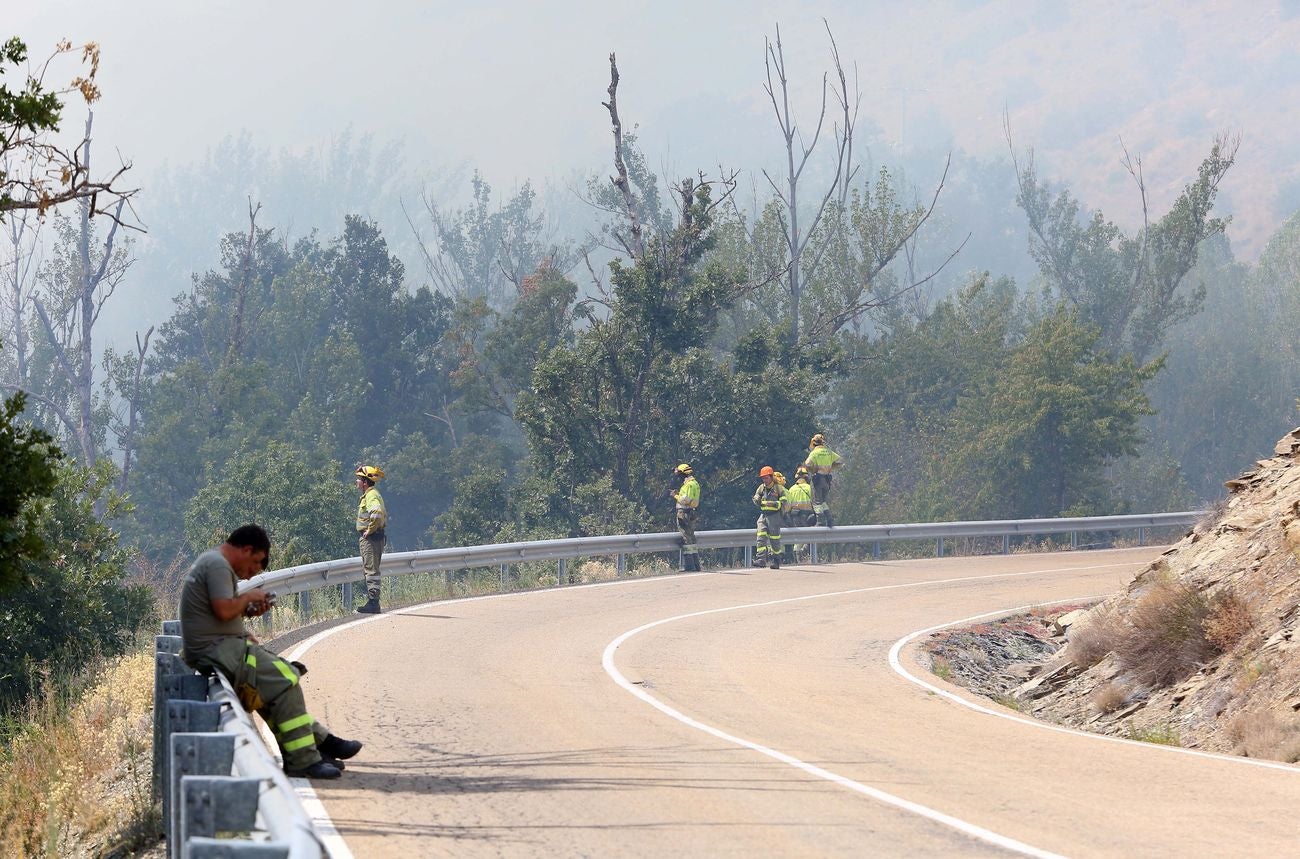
(821, 463)
(801, 504)
(687, 497)
(770, 500)
(372, 517)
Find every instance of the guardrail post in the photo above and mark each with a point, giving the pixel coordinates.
(347, 596)
(505, 576)
(224, 848)
(621, 565)
(875, 551)
(812, 553)
(1006, 544)
(172, 686)
(212, 804)
(940, 548)
(749, 555)
(1074, 539)
(1142, 536)
(562, 577)
(193, 753)
(304, 607)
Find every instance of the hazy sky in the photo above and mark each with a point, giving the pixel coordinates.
(515, 88)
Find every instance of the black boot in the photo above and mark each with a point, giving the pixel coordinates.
(776, 561)
(338, 748)
(320, 769)
(371, 606)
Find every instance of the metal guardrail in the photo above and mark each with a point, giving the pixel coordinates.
(214, 773)
(308, 577)
(220, 777)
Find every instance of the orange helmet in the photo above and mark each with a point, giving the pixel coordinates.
(766, 471)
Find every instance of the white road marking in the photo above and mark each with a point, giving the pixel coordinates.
(897, 665)
(338, 849)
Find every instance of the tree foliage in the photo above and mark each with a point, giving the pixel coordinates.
(75, 604)
(29, 462)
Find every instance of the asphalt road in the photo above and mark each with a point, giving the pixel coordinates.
(750, 713)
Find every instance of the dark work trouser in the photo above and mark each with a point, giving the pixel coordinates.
(686, 519)
(372, 551)
(268, 684)
(821, 485)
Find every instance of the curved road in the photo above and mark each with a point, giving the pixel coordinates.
(750, 713)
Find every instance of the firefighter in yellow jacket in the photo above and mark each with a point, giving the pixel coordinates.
(770, 500)
(372, 517)
(800, 513)
(821, 463)
(686, 496)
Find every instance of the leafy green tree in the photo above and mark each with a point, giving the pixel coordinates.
(76, 604)
(1032, 441)
(1129, 287)
(301, 504)
(29, 462)
(320, 347)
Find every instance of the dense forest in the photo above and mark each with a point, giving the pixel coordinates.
(984, 346)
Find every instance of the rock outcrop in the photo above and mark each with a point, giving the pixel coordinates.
(1202, 648)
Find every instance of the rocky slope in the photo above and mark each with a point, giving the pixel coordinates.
(1201, 649)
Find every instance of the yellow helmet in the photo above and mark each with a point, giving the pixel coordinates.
(683, 469)
(816, 440)
(778, 477)
(800, 471)
(373, 473)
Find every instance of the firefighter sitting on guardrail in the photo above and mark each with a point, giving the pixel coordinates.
(214, 637)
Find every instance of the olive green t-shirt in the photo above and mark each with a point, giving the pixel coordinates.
(211, 576)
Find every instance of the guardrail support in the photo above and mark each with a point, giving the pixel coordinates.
(749, 555)
(222, 848)
(212, 804)
(1142, 536)
(505, 577)
(621, 565)
(562, 577)
(1006, 544)
(1074, 539)
(172, 680)
(875, 551)
(304, 607)
(347, 596)
(939, 549)
(193, 754)
(812, 553)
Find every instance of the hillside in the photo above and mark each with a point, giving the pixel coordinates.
(1199, 650)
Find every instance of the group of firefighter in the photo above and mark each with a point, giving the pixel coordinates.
(806, 502)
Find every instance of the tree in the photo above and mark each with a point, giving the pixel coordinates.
(35, 172)
(1127, 286)
(1032, 440)
(300, 503)
(484, 253)
(77, 605)
(29, 462)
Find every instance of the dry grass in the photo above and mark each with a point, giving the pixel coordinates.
(1231, 619)
(1109, 697)
(75, 775)
(1260, 734)
(1164, 639)
(1090, 641)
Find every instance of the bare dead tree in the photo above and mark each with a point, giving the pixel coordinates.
(21, 230)
(634, 244)
(797, 157)
(129, 428)
(235, 345)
